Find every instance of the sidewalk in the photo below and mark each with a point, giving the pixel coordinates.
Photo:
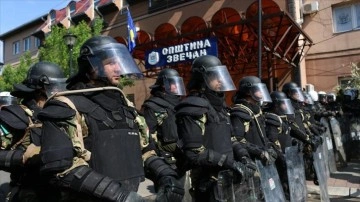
(345, 183)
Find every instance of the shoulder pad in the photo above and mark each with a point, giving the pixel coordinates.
(273, 119)
(236, 111)
(14, 116)
(55, 109)
(192, 106)
(150, 103)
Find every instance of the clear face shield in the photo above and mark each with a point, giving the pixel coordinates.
(308, 99)
(260, 93)
(218, 79)
(55, 85)
(7, 100)
(174, 85)
(297, 94)
(284, 106)
(112, 61)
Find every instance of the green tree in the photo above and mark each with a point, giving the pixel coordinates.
(55, 50)
(17, 74)
(355, 76)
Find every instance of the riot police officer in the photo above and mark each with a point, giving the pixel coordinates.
(159, 113)
(278, 131)
(299, 126)
(204, 129)
(20, 142)
(248, 120)
(91, 134)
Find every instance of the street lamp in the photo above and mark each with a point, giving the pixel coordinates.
(70, 40)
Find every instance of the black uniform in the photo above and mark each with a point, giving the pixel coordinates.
(21, 129)
(205, 132)
(93, 139)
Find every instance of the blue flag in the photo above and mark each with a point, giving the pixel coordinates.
(131, 32)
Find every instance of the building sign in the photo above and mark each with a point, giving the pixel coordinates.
(180, 53)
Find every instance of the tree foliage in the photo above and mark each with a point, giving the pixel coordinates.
(17, 74)
(355, 76)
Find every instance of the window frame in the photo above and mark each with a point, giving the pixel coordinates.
(354, 17)
(16, 47)
(27, 44)
(37, 42)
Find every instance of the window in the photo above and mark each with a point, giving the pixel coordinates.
(344, 81)
(37, 42)
(27, 43)
(16, 47)
(346, 18)
(72, 7)
(53, 16)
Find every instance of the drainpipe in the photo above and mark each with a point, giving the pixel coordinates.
(294, 9)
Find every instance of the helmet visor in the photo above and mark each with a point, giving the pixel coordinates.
(284, 106)
(174, 85)
(297, 94)
(308, 99)
(55, 85)
(7, 100)
(259, 92)
(218, 79)
(112, 60)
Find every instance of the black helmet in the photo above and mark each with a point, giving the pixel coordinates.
(171, 81)
(41, 75)
(209, 70)
(293, 91)
(251, 85)
(330, 97)
(322, 97)
(281, 103)
(100, 52)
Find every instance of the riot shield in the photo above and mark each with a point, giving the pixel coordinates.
(296, 174)
(244, 191)
(187, 187)
(328, 147)
(319, 166)
(353, 141)
(224, 190)
(336, 134)
(270, 182)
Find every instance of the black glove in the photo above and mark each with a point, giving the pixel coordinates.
(314, 143)
(133, 197)
(170, 190)
(267, 158)
(250, 165)
(243, 170)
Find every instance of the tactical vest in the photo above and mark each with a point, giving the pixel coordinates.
(113, 140)
(167, 130)
(218, 132)
(254, 128)
(20, 118)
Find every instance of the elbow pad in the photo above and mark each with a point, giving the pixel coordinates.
(11, 158)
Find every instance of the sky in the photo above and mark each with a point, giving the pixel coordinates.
(14, 13)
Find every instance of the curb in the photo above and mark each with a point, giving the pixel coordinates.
(350, 192)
